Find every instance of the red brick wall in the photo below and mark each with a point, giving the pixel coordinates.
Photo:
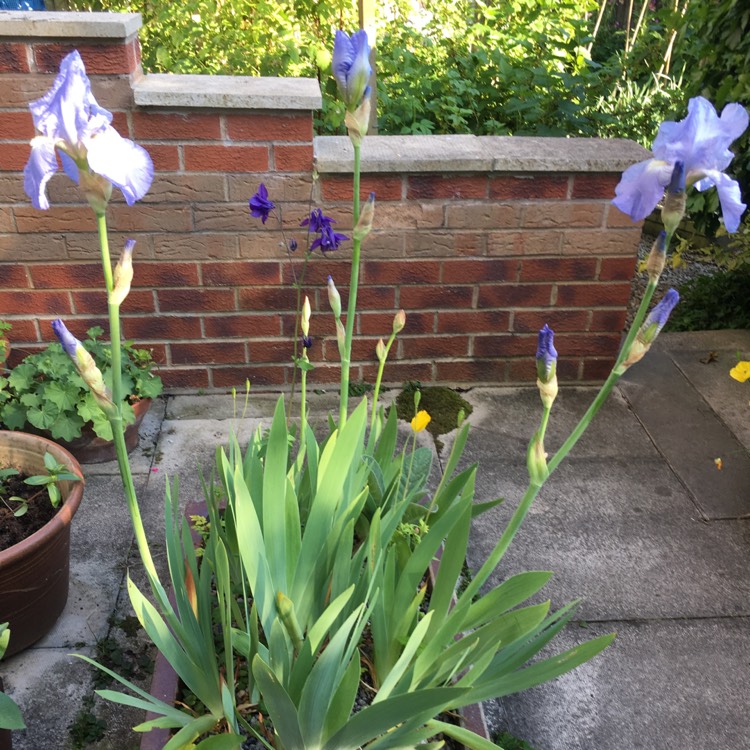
(478, 261)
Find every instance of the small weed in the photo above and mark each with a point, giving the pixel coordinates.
(86, 727)
(359, 389)
(508, 742)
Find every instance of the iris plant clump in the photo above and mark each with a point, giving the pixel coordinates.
(314, 541)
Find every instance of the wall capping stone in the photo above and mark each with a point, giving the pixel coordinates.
(227, 92)
(68, 25)
(470, 153)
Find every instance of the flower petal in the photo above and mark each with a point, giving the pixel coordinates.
(730, 197)
(125, 164)
(641, 188)
(42, 164)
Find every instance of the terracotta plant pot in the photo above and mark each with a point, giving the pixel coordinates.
(91, 449)
(34, 572)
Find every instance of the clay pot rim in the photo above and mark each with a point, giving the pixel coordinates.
(66, 511)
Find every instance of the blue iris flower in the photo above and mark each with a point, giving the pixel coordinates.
(546, 354)
(351, 66)
(93, 154)
(701, 142)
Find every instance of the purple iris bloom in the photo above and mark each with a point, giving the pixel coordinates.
(260, 206)
(701, 142)
(71, 123)
(69, 342)
(546, 354)
(351, 66)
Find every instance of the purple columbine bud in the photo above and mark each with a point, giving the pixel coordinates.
(657, 258)
(674, 201)
(292, 245)
(307, 342)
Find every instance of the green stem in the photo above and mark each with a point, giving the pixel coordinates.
(118, 430)
(376, 392)
(351, 307)
(303, 402)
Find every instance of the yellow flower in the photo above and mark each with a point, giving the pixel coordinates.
(420, 421)
(741, 371)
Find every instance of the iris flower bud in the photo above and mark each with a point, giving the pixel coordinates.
(399, 321)
(351, 66)
(546, 366)
(364, 225)
(650, 329)
(380, 350)
(334, 298)
(123, 274)
(305, 321)
(536, 461)
(340, 335)
(85, 365)
(657, 258)
(674, 202)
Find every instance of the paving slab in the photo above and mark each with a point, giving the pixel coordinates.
(690, 436)
(629, 547)
(660, 685)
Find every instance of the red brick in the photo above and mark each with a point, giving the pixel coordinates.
(240, 273)
(23, 330)
(363, 349)
(514, 295)
(318, 270)
(376, 297)
(617, 269)
(436, 297)
(293, 158)
(144, 217)
(472, 271)
(381, 323)
(13, 156)
(340, 188)
(616, 218)
(16, 125)
(226, 158)
(473, 321)
(193, 377)
(13, 58)
(273, 299)
(67, 276)
(242, 326)
(163, 274)
(253, 127)
(401, 272)
(593, 295)
(55, 219)
(608, 320)
(262, 375)
(530, 321)
(507, 345)
(595, 185)
(176, 127)
(398, 372)
(432, 347)
(445, 186)
(532, 187)
(163, 327)
(471, 372)
(224, 352)
(35, 303)
(120, 123)
(96, 302)
(16, 91)
(588, 344)
(558, 269)
(597, 370)
(106, 58)
(13, 276)
(195, 300)
(165, 158)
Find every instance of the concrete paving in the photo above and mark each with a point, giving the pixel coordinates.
(639, 523)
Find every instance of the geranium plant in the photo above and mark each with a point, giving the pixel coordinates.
(46, 392)
(318, 548)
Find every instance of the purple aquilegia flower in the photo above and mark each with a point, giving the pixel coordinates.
(546, 354)
(327, 239)
(351, 66)
(260, 206)
(701, 142)
(93, 154)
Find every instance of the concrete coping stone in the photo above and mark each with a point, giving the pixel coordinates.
(227, 92)
(59, 24)
(470, 153)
